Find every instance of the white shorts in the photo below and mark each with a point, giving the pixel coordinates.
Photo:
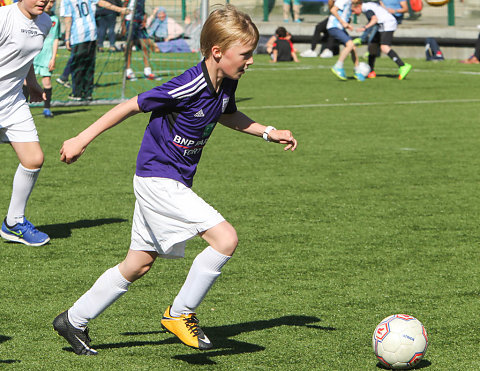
(167, 214)
(18, 127)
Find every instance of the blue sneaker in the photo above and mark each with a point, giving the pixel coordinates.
(359, 76)
(24, 233)
(47, 113)
(339, 72)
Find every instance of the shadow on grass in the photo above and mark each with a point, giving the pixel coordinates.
(59, 112)
(3, 339)
(64, 230)
(221, 336)
(423, 363)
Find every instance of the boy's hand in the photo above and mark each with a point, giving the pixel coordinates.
(71, 150)
(283, 137)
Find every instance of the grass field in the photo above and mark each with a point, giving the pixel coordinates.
(376, 213)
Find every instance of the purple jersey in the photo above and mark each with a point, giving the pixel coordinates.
(185, 111)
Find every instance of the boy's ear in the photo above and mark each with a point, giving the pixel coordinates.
(216, 51)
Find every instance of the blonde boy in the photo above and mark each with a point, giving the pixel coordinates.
(167, 212)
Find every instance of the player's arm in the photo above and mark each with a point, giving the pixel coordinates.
(73, 148)
(68, 28)
(373, 21)
(51, 64)
(241, 122)
(334, 11)
(34, 89)
(110, 6)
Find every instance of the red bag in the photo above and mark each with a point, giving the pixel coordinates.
(416, 5)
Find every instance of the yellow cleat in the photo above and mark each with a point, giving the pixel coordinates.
(186, 329)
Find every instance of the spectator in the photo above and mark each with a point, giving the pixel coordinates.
(193, 28)
(80, 38)
(475, 58)
(44, 62)
(283, 50)
(288, 6)
(397, 8)
(160, 27)
(330, 45)
(137, 33)
(106, 20)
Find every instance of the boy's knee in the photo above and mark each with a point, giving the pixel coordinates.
(34, 161)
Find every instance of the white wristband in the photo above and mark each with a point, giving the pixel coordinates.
(268, 129)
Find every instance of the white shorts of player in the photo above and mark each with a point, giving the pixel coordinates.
(18, 126)
(167, 214)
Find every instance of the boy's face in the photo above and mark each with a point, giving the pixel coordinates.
(32, 8)
(235, 60)
(49, 6)
(357, 9)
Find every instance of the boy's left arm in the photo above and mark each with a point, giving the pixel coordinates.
(241, 122)
(34, 89)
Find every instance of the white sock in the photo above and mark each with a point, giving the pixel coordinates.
(23, 183)
(129, 71)
(104, 292)
(339, 64)
(202, 275)
(147, 70)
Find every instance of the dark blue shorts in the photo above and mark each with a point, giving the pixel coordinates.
(341, 35)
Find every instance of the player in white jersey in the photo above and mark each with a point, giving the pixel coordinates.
(387, 26)
(23, 28)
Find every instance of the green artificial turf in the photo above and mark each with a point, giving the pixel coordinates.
(376, 213)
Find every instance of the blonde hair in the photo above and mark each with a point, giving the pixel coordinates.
(224, 27)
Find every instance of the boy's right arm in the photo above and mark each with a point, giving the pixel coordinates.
(73, 148)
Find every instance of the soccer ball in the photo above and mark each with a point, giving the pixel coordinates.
(400, 341)
(363, 68)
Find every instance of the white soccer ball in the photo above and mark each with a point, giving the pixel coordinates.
(400, 341)
(363, 68)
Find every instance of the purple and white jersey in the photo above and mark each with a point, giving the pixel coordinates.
(185, 111)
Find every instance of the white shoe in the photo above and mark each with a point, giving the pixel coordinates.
(309, 53)
(327, 53)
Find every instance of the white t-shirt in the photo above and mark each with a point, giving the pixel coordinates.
(385, 20)
(21, 39)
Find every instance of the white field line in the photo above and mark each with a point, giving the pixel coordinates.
(322, 105)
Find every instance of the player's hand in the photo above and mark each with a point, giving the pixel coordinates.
(283, 137)
(36, 93)
(71, 150)
(125, 11)
(361, 29)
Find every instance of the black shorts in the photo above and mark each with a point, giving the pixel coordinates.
(385, 37)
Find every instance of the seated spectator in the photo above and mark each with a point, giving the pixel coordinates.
(162, 28)
(283, 50)
(330, 46)
(193, 28)
(475, 58)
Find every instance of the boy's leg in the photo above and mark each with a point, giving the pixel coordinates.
(31, 157)
(15, 227)
(47, 87)
(108, 288)
(206, 268)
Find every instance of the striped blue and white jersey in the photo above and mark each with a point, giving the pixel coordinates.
(184, 111)
(83, 19)
(344, 11)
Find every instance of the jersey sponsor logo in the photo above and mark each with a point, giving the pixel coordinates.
(199, 114)
(208, 129)
(29, 32)
(190, 147)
